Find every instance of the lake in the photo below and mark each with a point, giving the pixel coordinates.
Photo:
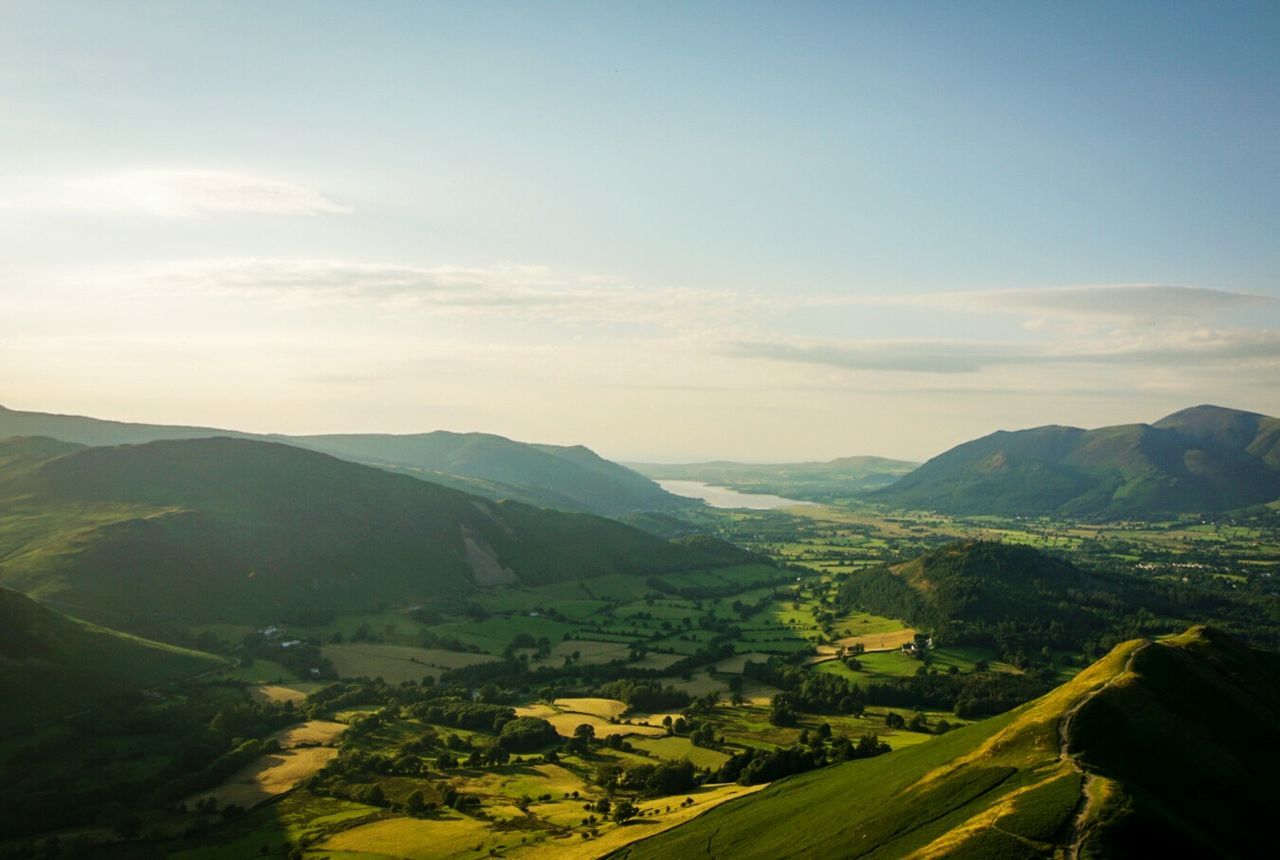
(723, 497)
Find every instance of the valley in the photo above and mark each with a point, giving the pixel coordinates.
(620, 683)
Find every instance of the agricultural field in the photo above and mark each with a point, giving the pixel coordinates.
(395, 663)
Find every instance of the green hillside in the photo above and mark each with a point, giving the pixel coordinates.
(564, 477)
(571, 478)
(815, 482)
(1131, 758)
(52, 665)
(235, 530)
(1198, 460)
(1016, 599)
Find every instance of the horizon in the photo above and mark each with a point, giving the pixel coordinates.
(606, 455)
(744, 232)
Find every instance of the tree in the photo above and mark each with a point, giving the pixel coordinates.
(894, 720)
(416, 803)
(625, 811)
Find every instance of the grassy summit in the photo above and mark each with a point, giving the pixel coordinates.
(1165, 748)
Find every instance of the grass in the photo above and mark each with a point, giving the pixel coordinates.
(678, 748)
(396, 663)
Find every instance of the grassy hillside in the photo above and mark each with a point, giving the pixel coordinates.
(1202, 459)
(568, 478)
(816, 482)
(571, 478)
(52, 665)
(1127, 759)
(225, 529)
(1019, 600)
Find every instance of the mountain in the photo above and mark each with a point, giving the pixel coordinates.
(814, 482)
(571, 478)
(230, 530)
(1160, 749)
(1202, 459)
(52, 665)
(562, 477)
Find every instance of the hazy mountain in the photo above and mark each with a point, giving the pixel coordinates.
(230, 529)
(818, 482)
(1160, 749)
(563, 477)
(571, 478)
(1198, 460)
(52, 665)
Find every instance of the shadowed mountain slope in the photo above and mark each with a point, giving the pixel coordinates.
(229, 529)
(52, 664)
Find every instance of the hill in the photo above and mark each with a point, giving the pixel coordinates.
(229, 530)
(1128, 759)
(52, 665)
(1202, 459)
(1019, 601)
(814, 482)
(563, 477)
(571, 478)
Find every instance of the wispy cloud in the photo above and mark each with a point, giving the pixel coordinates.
(1195, 349)
(175, 194)
(1105, 301)
(528, 291)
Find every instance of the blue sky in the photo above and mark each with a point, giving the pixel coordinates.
(765, 231)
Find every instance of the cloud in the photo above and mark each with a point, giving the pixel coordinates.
(1108, 301)
(1184, 350)
(526, 291)
(178, 194)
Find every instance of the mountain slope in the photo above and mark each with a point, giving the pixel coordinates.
(229, 529)
(569, 478)
(1127, 759)
(816, 482)
(1198, 460)
(52, 664)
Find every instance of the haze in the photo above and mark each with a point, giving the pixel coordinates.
(669, 232)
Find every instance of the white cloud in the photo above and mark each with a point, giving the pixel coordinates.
(527, 291)
(176, 194)
(1129, 302)
(1204, 348)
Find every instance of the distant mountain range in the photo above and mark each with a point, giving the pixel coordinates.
(571, 478)
(828, 481)
(1160, 749)
(236, 530)
(1203, 459)
(52, 665)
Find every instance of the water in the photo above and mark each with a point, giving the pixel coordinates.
(723, 497)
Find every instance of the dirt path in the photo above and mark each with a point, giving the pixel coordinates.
(1085, 809)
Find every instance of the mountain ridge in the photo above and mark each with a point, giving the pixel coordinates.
(224, 528)
(570, 477)
(1202, 459)
(1124, 760)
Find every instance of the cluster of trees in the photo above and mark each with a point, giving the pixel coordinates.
(754, 766)
(806, 690)
(651, 780)
(646, 695)
(199, 737)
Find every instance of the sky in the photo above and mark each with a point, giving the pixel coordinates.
(668, 231)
